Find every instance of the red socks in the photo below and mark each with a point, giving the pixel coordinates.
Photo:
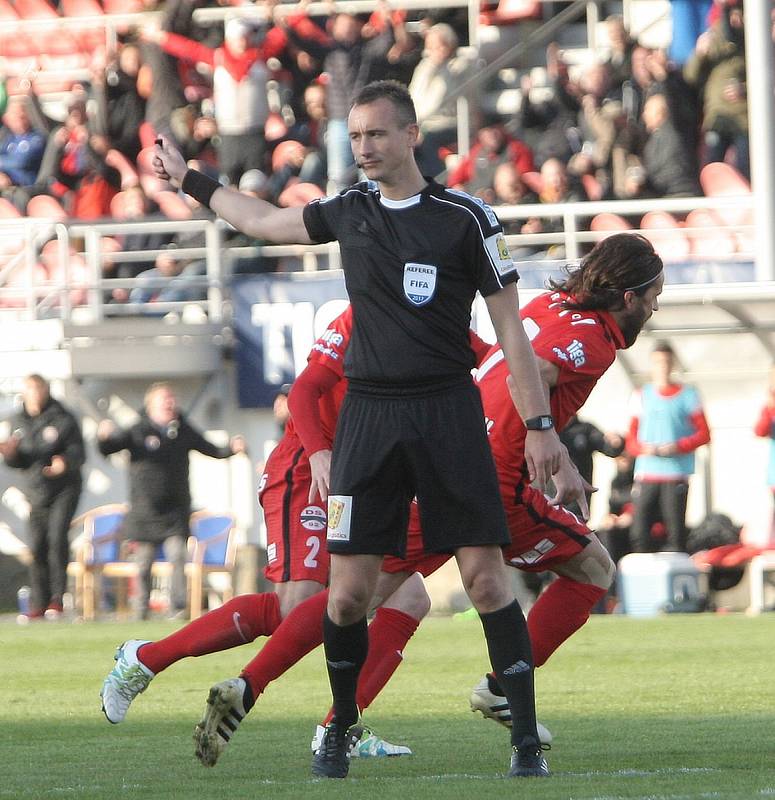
(389, 632)
(237, 622)
(561, 609)
(300, 633)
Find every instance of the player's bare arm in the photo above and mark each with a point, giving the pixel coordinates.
(250, 215)
(569, 486)
(530, 394)
(320, 468)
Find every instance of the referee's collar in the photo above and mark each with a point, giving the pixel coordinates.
(407, 202)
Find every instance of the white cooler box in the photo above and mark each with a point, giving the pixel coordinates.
(651, 583)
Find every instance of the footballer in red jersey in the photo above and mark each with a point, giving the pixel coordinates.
(296, 517)
(575, 331)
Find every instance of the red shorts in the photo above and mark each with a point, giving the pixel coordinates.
(542, 536)
(295, 528)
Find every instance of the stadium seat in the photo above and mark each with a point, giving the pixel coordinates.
(299, 194)
(81, 8)
(8, 210)
(123, 6)
(172, 205)
(723, 180)
(666, 235)
(97, 552)
(609, 223)
(7, 11)
(708, 235)
(533, 181)
(719, 179)
(61, 272)
(508, 12)
(46, 207)
(213, 551)
(760, 569)
(35, 9)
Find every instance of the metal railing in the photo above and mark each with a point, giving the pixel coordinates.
(79, 289)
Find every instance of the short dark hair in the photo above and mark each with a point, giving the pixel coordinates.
(618, 264)
(393, 91)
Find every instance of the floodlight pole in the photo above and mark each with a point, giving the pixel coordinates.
(761, 117)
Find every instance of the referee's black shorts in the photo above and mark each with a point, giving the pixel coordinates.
(390, 448)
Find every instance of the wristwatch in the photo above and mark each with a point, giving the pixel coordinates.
(541, 423)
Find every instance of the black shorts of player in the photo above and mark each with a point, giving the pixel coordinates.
(430, 443)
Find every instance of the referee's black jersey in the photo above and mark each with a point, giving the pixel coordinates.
(412, 268)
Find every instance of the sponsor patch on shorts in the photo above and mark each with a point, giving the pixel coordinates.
(339, 512)
(271, 553)
(313, 518)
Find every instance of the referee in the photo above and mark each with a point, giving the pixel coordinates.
(414, 255)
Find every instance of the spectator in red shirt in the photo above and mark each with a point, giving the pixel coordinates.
(494, 146)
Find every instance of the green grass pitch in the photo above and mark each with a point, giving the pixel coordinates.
(671, 708)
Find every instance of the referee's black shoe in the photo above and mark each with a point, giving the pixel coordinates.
(527, 760)
(332, 759)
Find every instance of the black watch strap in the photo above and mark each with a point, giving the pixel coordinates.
(540, 423)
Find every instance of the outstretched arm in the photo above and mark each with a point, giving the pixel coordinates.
(252, 216)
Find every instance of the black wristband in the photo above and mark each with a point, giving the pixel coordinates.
(199, 186)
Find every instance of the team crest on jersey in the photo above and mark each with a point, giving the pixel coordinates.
(419, 283)
(313, 518)
(339, 510)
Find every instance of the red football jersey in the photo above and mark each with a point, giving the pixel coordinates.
(329, 351)
(582, 344)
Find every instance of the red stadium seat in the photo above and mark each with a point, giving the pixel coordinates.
(719, 179)
(709, 237)
(609, 223)
(123, 6)
(172, 205)
(533, 181)
(510, 11)
(75, 273)
(723, 180)
(667, 236)
(7, 11)
(17, 45)
(35, 9)
(8, 210)
(299, 194)
(45, 206)
(81, 8)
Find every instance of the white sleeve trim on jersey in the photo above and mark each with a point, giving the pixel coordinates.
(492, 244)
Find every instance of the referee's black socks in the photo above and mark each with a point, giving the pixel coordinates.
(346, 649)
(508, 644)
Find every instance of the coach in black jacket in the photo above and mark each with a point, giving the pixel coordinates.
(47, 445)
(160, 498)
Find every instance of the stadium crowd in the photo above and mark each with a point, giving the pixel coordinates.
(270, 101)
